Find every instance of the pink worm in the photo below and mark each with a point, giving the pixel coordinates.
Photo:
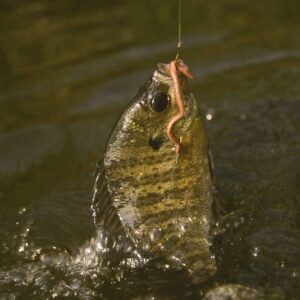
(177, 65)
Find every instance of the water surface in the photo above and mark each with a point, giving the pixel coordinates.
(68, 68)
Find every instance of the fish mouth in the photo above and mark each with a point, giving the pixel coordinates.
(162, 74)
(164, 69)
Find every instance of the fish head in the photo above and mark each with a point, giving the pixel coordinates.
(163, 201)
(146, 119)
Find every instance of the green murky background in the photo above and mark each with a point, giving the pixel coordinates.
(67, 70)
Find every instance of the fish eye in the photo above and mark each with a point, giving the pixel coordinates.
(159, 102)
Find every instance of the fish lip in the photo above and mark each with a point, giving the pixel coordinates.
(162, 74)
(164, 69)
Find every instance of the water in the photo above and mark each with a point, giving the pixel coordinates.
(69, 68)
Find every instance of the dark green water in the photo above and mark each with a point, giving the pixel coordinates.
(68, 69)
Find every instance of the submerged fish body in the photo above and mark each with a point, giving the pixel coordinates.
(147, 197)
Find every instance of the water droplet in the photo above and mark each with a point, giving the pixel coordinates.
(294, 274)
(236, 224)
(22, 210)
(88, 250)
(256, 251)
(146, 247)
(209, 117)
(210, 114)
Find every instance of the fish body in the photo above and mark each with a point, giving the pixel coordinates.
(147, 196)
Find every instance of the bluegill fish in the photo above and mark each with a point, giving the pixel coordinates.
(151, 196)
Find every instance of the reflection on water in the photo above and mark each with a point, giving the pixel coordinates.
(67, 70)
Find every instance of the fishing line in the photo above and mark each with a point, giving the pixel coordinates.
(179, 30)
